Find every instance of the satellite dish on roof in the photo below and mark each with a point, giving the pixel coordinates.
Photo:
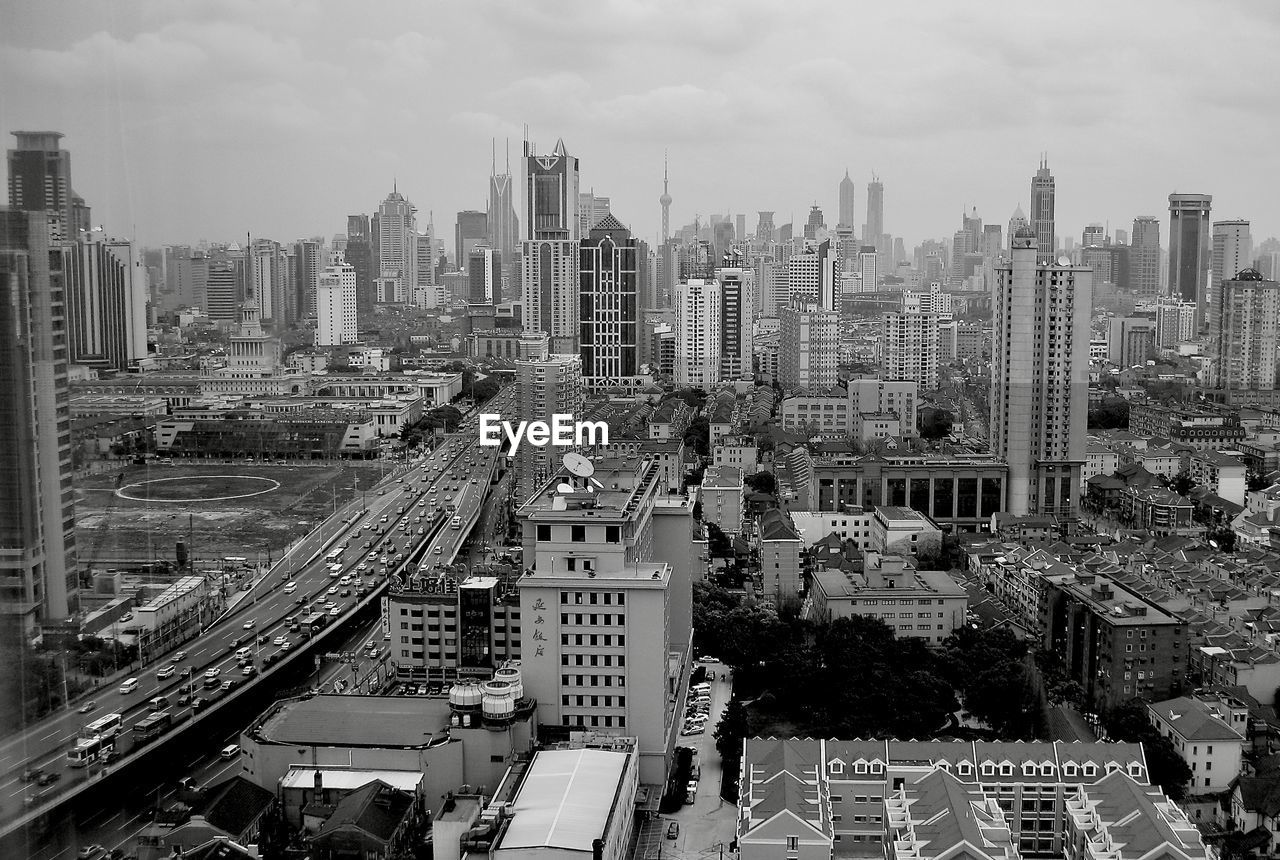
(578, 465)
(564, 488)
(1064, 260)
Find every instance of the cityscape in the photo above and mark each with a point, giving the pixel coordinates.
(607, 515)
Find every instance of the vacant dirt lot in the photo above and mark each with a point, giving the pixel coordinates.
(220, 509)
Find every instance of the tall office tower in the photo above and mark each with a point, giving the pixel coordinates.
(963, 243)
(666, 252)
(737, 288)
(546, 386)
(1130, 340)
(971, 223)
(549, 262)
(269, 277)
(359, 255)
(609, 306)
(1040, 377)
(1144, 256)
(764, 227)
(1175, 322)
(397, 248)
(869, 268)
(816, 224)
(698, 306)
(811, 276)
(337, 306)
(740, 226)
(848, 218)
(771, 285)
(106, 300)
(1190, 250)
(874, 227)
(909, 340)
(722, 237)
(808, 350)
(221, 290)
(1232, 250)
(504, 226)
(1016, 220)
(900, 248)
(424, 291)
(646, 284)
(38, 561)
(590, 210)
(605, 601)
(309, 255)
(1042, 207)
(40, 181)
(470, 232)
(785, 233)
(696, 260)
(1094, 234)
(1244, 333)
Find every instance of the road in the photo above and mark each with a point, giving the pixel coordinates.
(708, 822)
(397, 520)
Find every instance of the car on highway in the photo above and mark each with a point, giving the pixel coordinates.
(286, 645)
(301, 600)
(333, 589)
(213, 672)
(362, 566)
(129, 686)
(179, 657)
(333, 611)
(346, 580)
(166, 672)
(31, 774)
(691, 792)
(691, 730)
(248, 625)
(291, 588)
(248, 670)
(228, 685)
(229, 752)
(88, 707)
(91, 852)
(346, 592)
(280, 640)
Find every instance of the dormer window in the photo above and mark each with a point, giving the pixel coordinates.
(1112, 767)
(988, 769)
(836, 766)
(877, 767)
(1090, 769)
(964, 769)
(1047, 769)
(1135, 770)
(860, 767)
(1006, 769)
(1069, 769)
(1028, 769)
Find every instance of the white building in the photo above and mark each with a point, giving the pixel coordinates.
(1040, 378)
(1209, 733)
(336, 321)
(544, 387)
(910, 347)
(698, 332)
(722, 498)
(397, 248)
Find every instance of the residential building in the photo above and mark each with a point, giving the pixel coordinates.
(698, 333)
(905, 532)
(737, 287)
(1191, 424)
(1130, 340)
(374, 821)
(1232, 252)
(910, 347)
(721, 497)
(1040, 378)
(879, 395)
(878, 425)
(1121, 810)
(484, 275)
(816, 799)
(1222, 472)
(337, 306)
(1244, 333)
(1208, 731)
(106, 302)
(1099, 460)
(40, 181)
(780, 547)
(544, 387)
(739, 452)
(1190, 250)
(38, 561)
(1144, 256)
(927, 605)
(807, 353)
(1175, 322)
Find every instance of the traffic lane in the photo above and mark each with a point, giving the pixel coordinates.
(709, 820)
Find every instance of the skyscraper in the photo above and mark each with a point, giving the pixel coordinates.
(40, 181)
(1042, 206)
(397, 248)
(1190, 249)
(545, 386)
(764, 227)
(549, 259)
(268, 282)
(909, 341)
(359, 255)
(484, 274)
(808, 347)
(1232, 250)
(470, 232)
(1144, 256)
(307, 252)
(1040, 377)
(106, 302)
(666, 253)
(609, 306)
(874, 227)
(37, 523)
(504, 226)
(337, 309)
(1244, 333)
(736, 301)
(847, 216)
(816, 224)
(591, 209)
(698, 333)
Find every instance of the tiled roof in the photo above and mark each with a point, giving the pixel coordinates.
(1195, 720)
(377, 809)
(235, 804)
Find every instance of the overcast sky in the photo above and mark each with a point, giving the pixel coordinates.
(207, 120)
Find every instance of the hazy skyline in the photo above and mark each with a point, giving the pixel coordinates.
(207, 120)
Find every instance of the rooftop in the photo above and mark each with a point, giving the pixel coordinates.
(565, 800)
(407, 722)
(1194, 719)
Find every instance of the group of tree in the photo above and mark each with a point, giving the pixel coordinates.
(1131, 722)
(936, 423)
(1111, 414)
(990, 669)
(718, 543)
(698, 435)
(446, 418)
(762, 482)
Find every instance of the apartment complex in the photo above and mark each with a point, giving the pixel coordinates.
(807, 351)
(927, 605)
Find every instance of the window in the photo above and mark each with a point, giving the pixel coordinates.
(793, 843)
(578, 534)
(544, 533)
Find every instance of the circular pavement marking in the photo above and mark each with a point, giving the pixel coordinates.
(124, 493)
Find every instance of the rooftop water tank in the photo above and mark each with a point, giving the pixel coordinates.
(465, 697)
(511, 674)
(499, 701)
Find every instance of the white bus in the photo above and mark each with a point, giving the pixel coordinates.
(107, 727)
(334, 556)
(88, 750)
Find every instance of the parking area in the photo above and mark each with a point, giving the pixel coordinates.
(706, 825)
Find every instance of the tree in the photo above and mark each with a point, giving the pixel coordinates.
(1182, 484)
(1110, 415)
(936, 424)
(485, 389)
(734, 726)
(762, 482)
(1255, 481)
(718, 543)
(1130, 722)
(698, 436)
(1223, 537)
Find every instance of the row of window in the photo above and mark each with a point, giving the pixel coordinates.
(592, 598)
(606, 660)
(965, 768)
(593, 680)
(593, 619)
(607, 640)
(595, 721)
(594, 701)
